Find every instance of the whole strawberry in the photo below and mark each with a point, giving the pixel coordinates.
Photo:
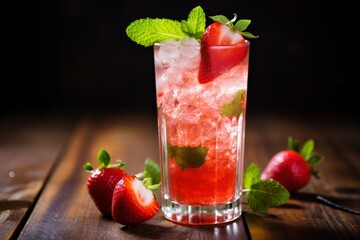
(294, 166)
(133, 202)
(102, 181)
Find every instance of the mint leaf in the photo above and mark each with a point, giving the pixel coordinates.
(103, 158)
(152, 170)
(234, 109)
(195, 24)
(266, 193)
(187, 157)
(149, 31)
(251, 175)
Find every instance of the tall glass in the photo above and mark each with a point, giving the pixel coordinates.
(201, 133)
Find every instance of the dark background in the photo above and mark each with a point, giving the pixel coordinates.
(75, 55)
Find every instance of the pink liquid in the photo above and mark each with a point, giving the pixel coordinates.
(191, 114)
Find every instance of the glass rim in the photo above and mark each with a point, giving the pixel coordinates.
(247, 42)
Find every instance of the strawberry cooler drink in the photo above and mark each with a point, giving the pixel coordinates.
(201, 131)
(201, 86)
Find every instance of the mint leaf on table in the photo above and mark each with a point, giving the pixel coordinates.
(148, 31)
(261, 194)
(187, 157)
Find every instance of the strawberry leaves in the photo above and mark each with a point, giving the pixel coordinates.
(104, 160)
(240, 26)
(261, 194)
(150, 177)
(307, 152)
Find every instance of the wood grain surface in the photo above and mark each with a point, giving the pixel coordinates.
(43, 191)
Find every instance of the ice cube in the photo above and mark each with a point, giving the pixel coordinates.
(189, 48)
(169, 53)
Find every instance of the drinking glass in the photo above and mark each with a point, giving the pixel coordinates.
(201, 127)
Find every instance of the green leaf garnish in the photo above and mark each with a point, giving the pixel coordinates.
(148, 31)
(187, 157)
(261, 194)
(266, 193)
(234, 109)
(195, 24)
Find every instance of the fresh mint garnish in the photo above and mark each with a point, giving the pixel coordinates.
(187, 157)
(261, 194)
(149, 31)
(195, 25)
(234, 108)
(240, 26)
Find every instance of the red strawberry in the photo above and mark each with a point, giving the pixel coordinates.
(215, 61)
(102, 181)
(133, 202)
(293, 167)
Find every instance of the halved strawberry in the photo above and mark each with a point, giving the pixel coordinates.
(133, 202)
(102, 181)
(215, 61)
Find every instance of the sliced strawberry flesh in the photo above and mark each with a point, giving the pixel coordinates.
(217, 60)
(133, 203)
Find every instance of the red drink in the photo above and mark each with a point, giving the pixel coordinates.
(201, 132)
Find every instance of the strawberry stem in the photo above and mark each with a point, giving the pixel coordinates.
(232, 20)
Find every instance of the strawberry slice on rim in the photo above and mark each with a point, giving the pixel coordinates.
(231, 47)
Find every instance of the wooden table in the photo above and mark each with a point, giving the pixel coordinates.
(43, 191)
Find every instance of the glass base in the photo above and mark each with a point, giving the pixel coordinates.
(201, 215)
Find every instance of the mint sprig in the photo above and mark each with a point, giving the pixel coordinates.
(234, 108)
(149, 31)
(262, 194)
(187, 157)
